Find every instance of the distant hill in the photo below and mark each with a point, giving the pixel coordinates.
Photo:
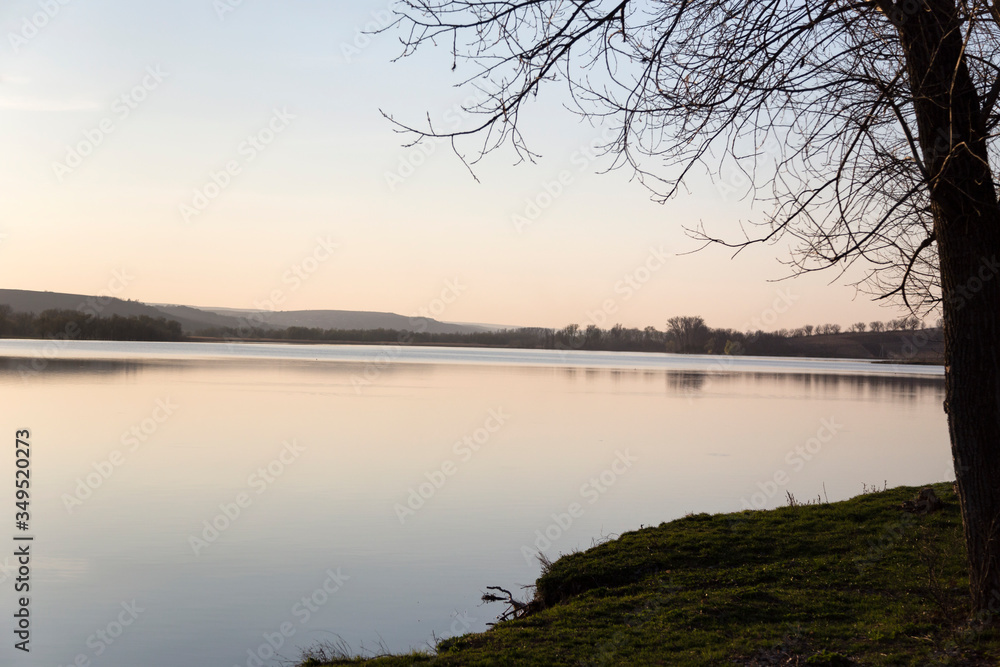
(923, 345)
(29, 301)
(201, 319)
(194, 320)
(346, 319)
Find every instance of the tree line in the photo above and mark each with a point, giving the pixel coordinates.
(75, 325)
(688, 334)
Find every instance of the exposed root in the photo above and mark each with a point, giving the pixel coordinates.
(515, 608)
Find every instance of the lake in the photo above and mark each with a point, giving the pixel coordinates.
(202, 504)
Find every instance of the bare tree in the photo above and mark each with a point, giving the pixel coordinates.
(689, 333)
(876, 326)
(867, 125)
(858, 327)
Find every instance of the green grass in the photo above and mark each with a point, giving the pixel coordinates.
(854, 582)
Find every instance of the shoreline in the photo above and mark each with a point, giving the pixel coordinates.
(855, 582)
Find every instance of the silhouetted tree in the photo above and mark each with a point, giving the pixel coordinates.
(688, 334)
(5, 316)
(592, 337)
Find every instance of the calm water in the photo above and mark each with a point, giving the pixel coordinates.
(373, 493)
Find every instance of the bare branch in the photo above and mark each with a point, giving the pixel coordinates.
(810, 103)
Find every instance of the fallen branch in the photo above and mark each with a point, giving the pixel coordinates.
(515, 608)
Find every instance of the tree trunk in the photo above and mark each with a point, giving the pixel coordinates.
(966, 216)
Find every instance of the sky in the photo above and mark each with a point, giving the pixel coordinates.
(232, 153)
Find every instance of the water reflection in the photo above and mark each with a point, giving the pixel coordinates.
(380, 436)
(687, 382)
(816, 385)
(678, 382)
(32, 369)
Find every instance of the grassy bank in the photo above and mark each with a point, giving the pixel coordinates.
(853, 582)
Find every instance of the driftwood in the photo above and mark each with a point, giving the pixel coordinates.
(515, 608)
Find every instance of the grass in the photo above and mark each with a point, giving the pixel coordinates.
(853, 582)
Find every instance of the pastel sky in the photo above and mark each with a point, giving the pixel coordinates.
(231, 153)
